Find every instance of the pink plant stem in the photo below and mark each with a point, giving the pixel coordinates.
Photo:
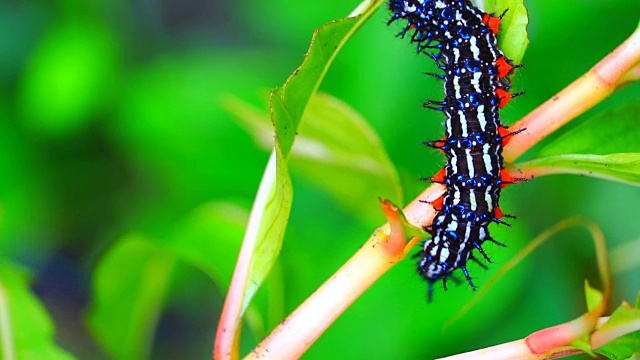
(519, 349)
(383, 250)
(581, 95)
(513, 350)
(291, 338)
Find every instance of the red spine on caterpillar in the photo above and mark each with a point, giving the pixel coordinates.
(504, 66)
(504, 96)
(440, 177)
(437, 203)
(492, 22)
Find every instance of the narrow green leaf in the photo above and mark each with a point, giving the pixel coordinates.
(267, 223)
(611, 131)
(129, 287)
(623, 318)
(288, 103)
(592, 295)
(617, 167)
(512, 37)
(270, 212)
(26, 331)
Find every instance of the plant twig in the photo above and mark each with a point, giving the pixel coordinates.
(518, 349)
(385, 248)
(513, 350)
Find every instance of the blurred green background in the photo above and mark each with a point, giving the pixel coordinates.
(113, 123)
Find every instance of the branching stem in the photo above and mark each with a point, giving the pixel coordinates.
(296, 333)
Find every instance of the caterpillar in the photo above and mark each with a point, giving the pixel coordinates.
(461, 39)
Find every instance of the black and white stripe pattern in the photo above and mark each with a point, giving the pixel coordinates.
(466, 50)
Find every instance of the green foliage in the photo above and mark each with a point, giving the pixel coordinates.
(68, 78)
(624, 347)
(593, 296)
(336, 150)
(171, 129)
(133, 277)
(129, 287)
(270, 212)
(26, 330)
(116, 119)
(288, 103)
(24, 200)
(209, 238)
(340, 153)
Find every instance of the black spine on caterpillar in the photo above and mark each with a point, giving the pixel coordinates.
(461, 39)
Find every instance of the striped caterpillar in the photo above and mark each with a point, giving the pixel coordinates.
(461, 39)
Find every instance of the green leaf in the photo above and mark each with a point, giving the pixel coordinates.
(623, 318)
(68, 78)
(611, 131)
(132, 278)
(512, 37)
(270, 212)
(26, 331)
(617, 167)
(336, 149)
(288, 103)
(267, 223)
(593, 296)
(129, 287)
